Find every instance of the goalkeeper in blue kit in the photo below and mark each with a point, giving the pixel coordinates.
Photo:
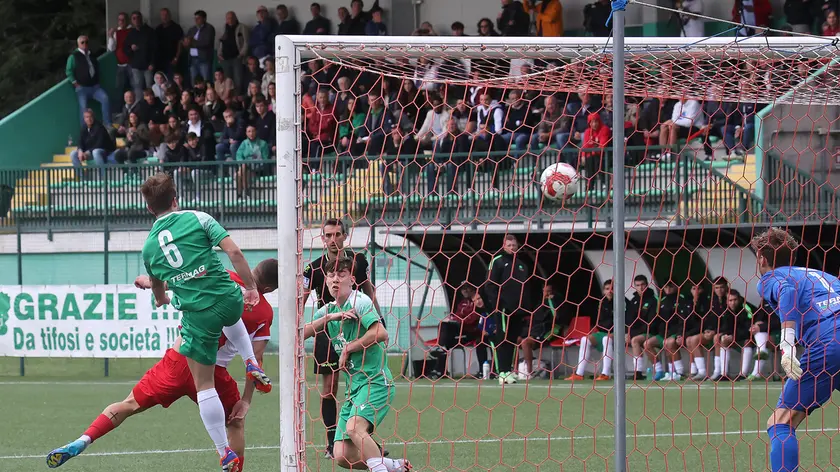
(807, 302)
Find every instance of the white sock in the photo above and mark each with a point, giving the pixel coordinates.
(717, 364)
(746, 360)
(761, 340)
(607, 343)
(658, 367)
(85, 438)
(671, 367)
(724, 361)
(377, 464)
(213, 415)
(639, 363)
(238, 335)
(679, 367)
(394, 465)
(700, 362)
(583, 356)
(693, 368)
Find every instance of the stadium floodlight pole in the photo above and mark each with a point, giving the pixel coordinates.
(618, 235)
(288, 247)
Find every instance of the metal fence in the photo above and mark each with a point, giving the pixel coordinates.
(398, 190)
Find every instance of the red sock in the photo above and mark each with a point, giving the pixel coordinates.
(101, 426)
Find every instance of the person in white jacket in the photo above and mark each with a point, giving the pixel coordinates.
(687, 122)
(434, 125)
(691, 26)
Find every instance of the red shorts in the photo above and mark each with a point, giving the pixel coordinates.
(170, 379)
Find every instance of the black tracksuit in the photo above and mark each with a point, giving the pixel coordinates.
(712, 319)
(606, 314)
(506, 291)
(674, 310)
(769, 323)
(641, 313)
(696, 314)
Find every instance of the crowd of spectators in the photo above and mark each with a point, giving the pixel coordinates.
(217, 84)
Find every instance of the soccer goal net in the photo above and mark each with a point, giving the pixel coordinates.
(429, 152)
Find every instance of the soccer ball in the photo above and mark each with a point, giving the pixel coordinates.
(559, 181)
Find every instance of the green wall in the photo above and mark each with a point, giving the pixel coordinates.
(39, 129)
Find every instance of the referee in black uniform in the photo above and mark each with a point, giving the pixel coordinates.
(333, 234)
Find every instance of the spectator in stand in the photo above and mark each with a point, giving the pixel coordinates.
(272, 97)
(202, 128)
(83, 72)
(595, 139)
(358, 19)
(121, 118)
(752, 13)
(94, 143)
(595, 18)
(320, 127)
(459, 328)
(286, 24)
(232, 49)
(140, 48)
(486, 28)
(515, 130)
(159, 88)
(343, 20)
(193, 153)
(223, 85)
(252, 73)
(318, 24)
(116, 42)
(406, 109)
(457, 29)
(491, 113)
(375, 27)
(264, 121)
(549, 16)
(150, 110)
(213, 109)
(172, 150)
(687, 122)
(251, 97)
(199, 41)
(200, 85)
(269, 77)
(252, 149)
(137, 141)
(172, 128)
(168, 35)
(351, 118)
(261, 42)
(831, 27)
(434, 126)
(448, 156)
(370, 138)
(801, 15)
(559, 125)
(426, 28)
(172, 104)
(179, 82)
(690, 25)
(512, 20)
(464, 116)
(233, 134)
(580, 112)
(185, 104)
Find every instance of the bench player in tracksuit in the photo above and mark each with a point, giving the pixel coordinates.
(601, 338)
(640, 314)
(668, 329)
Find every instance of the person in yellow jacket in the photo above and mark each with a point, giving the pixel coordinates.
(549, 16)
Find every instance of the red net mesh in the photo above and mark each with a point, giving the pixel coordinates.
(431, 161)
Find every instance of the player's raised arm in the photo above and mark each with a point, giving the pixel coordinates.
(376, 333)
(159, 291)
(322, 318)
(240, 265)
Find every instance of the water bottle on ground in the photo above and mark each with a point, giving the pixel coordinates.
(485, 370)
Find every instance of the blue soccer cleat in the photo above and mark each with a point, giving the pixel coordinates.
(230, 461)
(63, 454)
(658, 376)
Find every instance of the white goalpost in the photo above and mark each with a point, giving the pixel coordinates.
(767, 70)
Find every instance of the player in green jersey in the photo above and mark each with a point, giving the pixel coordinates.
(356, 332)
(179, 253)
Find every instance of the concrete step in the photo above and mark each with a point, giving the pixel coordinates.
(62, 158)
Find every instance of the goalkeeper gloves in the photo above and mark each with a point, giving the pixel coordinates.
(789, 361)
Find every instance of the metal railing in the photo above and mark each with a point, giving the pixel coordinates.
(457, 189)
(798, 195)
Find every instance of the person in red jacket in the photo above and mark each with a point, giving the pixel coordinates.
(752, 13)
(596, 137)
(116, 40)
(320, 127)
(459, 328)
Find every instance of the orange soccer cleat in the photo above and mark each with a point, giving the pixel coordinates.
(574, 377)
(603, 378)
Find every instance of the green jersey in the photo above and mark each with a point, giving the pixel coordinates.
(367, 367)
(180, 251)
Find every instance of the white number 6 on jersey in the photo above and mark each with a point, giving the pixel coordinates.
(170, 251)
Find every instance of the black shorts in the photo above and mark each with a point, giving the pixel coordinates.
(326, 359)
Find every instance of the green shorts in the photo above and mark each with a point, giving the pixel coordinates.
(371, 402)
(598, 340)
(201, 330)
